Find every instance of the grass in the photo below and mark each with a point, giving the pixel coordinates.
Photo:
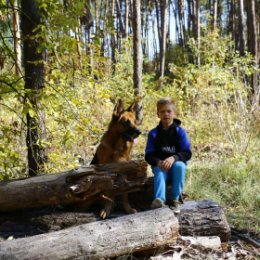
(234, 185)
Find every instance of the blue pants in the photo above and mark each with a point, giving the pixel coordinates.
(177, 176)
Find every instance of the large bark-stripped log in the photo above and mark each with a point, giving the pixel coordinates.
(103, 239)
(197, 218)
(87, 183)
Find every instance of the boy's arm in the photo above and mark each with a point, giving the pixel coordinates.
(150, 150)
(185, 150)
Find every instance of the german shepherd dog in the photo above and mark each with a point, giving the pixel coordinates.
(116, 145)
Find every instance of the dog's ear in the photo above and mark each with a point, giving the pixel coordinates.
(119, 108)
(132, 107)
(135, 108)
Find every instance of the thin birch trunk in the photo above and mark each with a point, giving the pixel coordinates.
(253, 47)
(215, 14)
(126, 18)
(198, 29)
(17, 39)
(138, 57)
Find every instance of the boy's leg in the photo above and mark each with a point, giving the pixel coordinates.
(159, 183)
(177, 173)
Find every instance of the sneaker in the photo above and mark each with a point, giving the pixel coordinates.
(175, 207)
(157, 203)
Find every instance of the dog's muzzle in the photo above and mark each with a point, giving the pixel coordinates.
(131, 134)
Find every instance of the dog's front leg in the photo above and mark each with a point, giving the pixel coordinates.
(126, 204)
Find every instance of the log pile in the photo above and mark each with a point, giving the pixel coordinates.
(63, 234)
(85, 184)
(131, 233)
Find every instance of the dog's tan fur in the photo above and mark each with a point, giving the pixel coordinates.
(116, 145)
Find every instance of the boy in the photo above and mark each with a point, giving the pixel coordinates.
(167, 151)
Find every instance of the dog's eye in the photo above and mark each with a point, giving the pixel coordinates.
(127, 123)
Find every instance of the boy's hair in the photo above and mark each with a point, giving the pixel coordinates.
(166, 101)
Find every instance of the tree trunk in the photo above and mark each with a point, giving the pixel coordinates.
(126, 18)
(120, 20)
(198, 29)
(113, 38)
(215, 14)
(232, 21)
(17, 39)
(190, 18)
(241, 27)
(98, 240)
(162, 39)
(78, 39)
(34, 82)
(219, 13)
(85, 184)
(252, 44)
(138, 57)
(181, 23)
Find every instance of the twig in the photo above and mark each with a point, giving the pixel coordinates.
(245, 237)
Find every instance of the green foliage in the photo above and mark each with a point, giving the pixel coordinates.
(231, 183)
(213, 100)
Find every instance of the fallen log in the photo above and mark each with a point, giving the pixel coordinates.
(103, 239)
(197, 218)
(203, 218)
(87, 183)
(40, 221)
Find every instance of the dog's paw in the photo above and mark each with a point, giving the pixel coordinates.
(103, 214)
(131, 211)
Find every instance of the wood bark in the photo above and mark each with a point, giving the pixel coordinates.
(219, 13)
(17, 38)
(39, 221)
(113, 37)
(203, 218)
(87, 184)
(241, 27)
(126, 18)
(232, 20)
(198, 29)
(34, 82)
(215, 14)
(197, 218)
(138, 58)
(164, 11)
(252, 45)
(98, 240)
(120, 28)
(181, 22)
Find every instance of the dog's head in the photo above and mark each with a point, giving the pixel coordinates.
(124, 120)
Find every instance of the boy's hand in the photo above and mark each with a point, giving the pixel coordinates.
(166, 164)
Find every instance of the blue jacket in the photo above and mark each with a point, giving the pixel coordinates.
(162, 143)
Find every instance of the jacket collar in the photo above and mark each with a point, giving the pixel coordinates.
(176, 122)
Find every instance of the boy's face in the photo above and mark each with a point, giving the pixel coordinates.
(166, 114)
